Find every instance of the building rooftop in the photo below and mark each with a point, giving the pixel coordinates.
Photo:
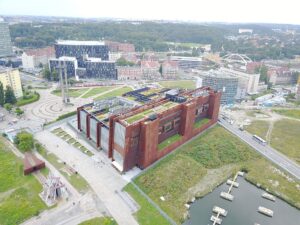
(74, 42)
(48, 51)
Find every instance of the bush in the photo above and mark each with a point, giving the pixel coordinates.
(33, 97)
(24, 141)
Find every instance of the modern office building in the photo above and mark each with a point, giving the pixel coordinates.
(71, 64)
(138, 135)
(11, 77)
(32, 58)
(86, 59)
(225, 83)
(247, 81)
(5, 41)
(186, 63)
(81, 50)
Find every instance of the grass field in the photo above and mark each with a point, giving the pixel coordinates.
(32, 97)
(95, 91)
(205, 162)
(76, 92)
(258, 127)
(19, 198)
(114, 93)
(100, 221)
(286, 138)
(189, 84)
(294, 113)
(169, 141)
(147, 214)
(201, 122)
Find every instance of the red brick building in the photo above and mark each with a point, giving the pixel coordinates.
(143, 134)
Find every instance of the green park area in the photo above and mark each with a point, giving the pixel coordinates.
(96, 91)
(294, 113)
(188, 84)
(200, 165)
(99, 221)
(114, 93)
(28, 97)
(19, 199)
(73, 92)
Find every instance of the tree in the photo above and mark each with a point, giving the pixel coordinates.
(1, 95)
(46, 73)
(8, 107)
(10, 96)
(160, 69)
(54, 75)
(24, 141)
(19, 111)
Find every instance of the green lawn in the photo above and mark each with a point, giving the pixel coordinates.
(201, 122)
(19, 198)
(286, 138)
(147, 214)
(258, 127)
(95, 91)
(99, 221)
(72, 92)
(189, 84)
(203, 163)
(169, 141)
(114, 93)
(294, 113)
(32, 97)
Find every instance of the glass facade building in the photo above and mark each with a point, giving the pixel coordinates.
(5, 41)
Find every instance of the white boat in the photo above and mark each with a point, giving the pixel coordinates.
(268, 196)
(215, 219)
(265, 211)
(227, 196)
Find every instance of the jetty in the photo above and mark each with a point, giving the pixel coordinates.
(232, 183)
(217, 209)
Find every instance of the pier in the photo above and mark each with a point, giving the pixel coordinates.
(232, 183)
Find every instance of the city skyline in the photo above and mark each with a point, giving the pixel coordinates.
(231, 11)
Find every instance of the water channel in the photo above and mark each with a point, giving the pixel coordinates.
(243, 209)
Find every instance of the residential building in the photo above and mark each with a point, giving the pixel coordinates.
(32, 58)
(281, 76)
(129, 73)
(138, 135)
(247, 81)
(186, 63)
(120, 47)
(150, 69)
(11, 77)
(225, 83)
(5, 41)
(170, 69)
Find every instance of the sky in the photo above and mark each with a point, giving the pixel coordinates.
(241, 11)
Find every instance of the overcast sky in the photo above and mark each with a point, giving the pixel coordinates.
(267, 11)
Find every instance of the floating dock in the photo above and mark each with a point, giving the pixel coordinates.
(268, 196)
(219, 210)
(265, 211)
(216, 220)
(233, 183)
(240, 173)
(227, 196)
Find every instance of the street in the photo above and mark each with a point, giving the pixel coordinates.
(270, 153)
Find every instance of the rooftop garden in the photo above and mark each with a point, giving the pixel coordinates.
(201, 122)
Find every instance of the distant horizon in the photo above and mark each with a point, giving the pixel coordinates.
(196, 11)
(149, 20)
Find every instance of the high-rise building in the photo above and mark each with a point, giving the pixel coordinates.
(11, 77)
(5, 41)
(225, 83)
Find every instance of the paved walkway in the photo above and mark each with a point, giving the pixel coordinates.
(102, 177)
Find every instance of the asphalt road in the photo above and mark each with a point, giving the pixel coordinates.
(266, 150)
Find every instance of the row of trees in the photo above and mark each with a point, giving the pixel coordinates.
(50, 76)
(7, 96)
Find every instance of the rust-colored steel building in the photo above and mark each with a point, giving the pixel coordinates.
(138, 135)
(32, 163)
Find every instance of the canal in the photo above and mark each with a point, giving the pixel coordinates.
(243, 209)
